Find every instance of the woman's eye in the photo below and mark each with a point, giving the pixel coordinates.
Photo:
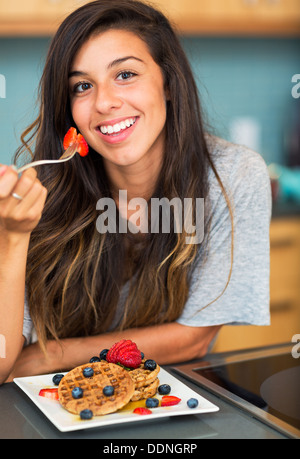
(81, 87)
(125, 75)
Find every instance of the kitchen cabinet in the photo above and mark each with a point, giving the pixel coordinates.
(236, 17)
(34, 17)
(284, 293)
(201, 17)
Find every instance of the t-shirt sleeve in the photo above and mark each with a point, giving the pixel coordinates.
(27, 324)
(246, 298)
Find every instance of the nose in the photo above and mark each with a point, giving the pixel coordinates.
(107, 99)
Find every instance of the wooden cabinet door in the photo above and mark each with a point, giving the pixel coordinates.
(234, 16)
(34, 17)
(284, 294)
(30, 10)
(251, 17)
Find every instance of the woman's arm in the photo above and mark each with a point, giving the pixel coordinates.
(12, 285)
(17, 219)
(166, 344)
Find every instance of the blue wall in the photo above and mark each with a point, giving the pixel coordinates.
(236, 78)
(21, 62)
(248, 78)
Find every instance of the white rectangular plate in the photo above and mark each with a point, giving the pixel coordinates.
(66, 422)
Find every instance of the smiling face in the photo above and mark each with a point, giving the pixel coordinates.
(118, 100)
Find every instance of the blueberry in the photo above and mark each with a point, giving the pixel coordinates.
(150, 365)
(57, 378)
(164, 389)
(94, 359)
(142, 355)
(77, 392)
(108, 391)
(88, 372)
(86, 414)
(103, 354)
(192, 403)
(152, 402)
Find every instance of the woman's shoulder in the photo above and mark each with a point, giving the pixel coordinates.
(235, 163)
(230, 155)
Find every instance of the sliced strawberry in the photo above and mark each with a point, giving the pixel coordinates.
(169, 400)
(83, 147)
(115, 349)
(126, 353)
(131, 359)
(71, 138)
(142, 411)
(112, 353)
(49, 393)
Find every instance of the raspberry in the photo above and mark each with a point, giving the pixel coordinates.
(126, 353)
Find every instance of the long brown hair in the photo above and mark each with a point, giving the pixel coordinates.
(74, 273)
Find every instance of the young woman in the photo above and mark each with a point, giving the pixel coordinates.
(116, 71)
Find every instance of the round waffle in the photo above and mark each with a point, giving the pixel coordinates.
(146, 391)
(105, 374)
(142, 377)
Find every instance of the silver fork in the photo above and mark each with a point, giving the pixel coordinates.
(66, 156)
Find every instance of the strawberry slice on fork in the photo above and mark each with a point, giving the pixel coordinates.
(73, 143)
(72, 138)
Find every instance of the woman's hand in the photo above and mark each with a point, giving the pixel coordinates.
(20, 215)
(31, 361)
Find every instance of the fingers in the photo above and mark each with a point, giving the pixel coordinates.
(21, 199)
(8, 180)
(25, 183)
(33, 203)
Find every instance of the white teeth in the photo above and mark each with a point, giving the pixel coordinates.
(117, 127)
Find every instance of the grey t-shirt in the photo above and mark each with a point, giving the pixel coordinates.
(245, 177)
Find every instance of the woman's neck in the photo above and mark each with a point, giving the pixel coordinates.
(138, 180)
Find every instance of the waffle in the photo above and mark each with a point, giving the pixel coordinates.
(105, 374)
(146, 391)
(142, 377)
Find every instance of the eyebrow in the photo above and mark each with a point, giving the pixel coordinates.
(123, 59)
(111, 65)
